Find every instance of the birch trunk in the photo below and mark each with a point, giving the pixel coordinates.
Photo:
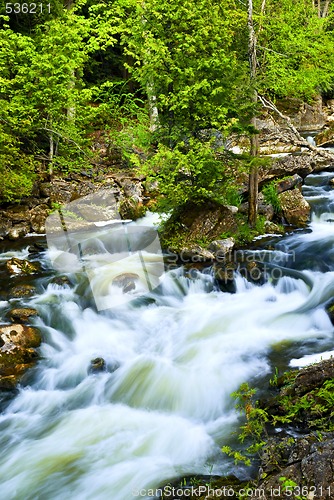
(253, 175)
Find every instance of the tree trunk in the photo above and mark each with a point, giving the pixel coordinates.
(253, 175)
(325, 9)
(153, 109)
(51, 153)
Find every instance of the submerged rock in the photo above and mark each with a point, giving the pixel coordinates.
(18, 231)
(97, 365)
(61, 281)
(20, 291)
(126, 281)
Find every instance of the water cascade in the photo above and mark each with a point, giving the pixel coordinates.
(161, 409)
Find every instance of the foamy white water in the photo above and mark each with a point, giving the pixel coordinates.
(162, 409)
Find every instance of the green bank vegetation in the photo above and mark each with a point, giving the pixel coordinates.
(163, 83)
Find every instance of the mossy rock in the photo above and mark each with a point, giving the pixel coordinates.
(22, 291)
(19, 266)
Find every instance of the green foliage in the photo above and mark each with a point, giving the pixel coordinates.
(245, 234)
(183, 56)
(295, 50)
(271, 196)
(290, 487)
(253, 431)
(313, 409)
(17, 170)
(189, 172)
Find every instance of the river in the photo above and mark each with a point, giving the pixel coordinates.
(162, 409)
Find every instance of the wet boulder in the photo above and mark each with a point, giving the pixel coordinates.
(126, 281)
(224, 275)
(63, 281)
(17, 335)
(22, 315)
(18, 231)
(22, 291)
(18, 345)
(196, 253)
(97, 365)
(221, 248)
(295, 208)
(19, 266)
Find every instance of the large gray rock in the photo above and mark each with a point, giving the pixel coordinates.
(221, 248)
(295, 208)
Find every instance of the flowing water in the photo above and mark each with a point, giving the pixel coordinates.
(162, 409)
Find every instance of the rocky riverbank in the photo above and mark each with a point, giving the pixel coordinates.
(297, 458)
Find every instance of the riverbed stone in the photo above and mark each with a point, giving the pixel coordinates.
(221, 248)
(22, 315)
(19, 266)
(62, 281)
(21, 291)
(295, 208)
(272, 228)
(194, 222)
(195, 254)
(18, 231)
(97, 365)
(38, 217)
(18, 353)
(17, 335)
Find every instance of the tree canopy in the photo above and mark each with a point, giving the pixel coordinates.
(81, 66)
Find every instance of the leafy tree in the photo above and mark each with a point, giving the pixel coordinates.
(295, 48)
(183, 54)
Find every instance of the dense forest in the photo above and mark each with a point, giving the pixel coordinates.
(165, 83)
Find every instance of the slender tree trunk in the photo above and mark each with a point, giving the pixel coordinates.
(153, 108)
(325, 9)
(253, 175)
(51, 153)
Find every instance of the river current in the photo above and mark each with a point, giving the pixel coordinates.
(162, 409)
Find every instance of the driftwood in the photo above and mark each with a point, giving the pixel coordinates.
(296, 139)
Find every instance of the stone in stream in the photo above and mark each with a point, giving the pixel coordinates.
(20, 291)
(18, 231)
(221, 248)
(330, 311)
(295, 208)
(17, 352)
(61, 281)
(37, 247)
(22, 315)
(19, 266)
(126, 281)
(97, 365)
